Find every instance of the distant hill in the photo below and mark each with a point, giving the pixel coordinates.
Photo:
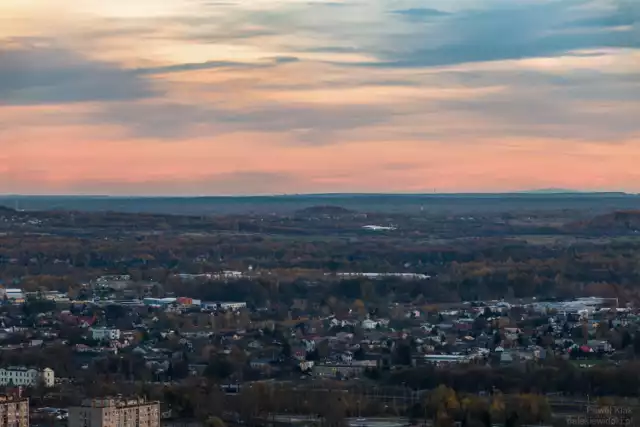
(615, 222)
(5, 210)
(550, 191)
(590, 204)
(329, 210)
(569, 192)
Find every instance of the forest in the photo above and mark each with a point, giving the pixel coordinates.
(549, 254)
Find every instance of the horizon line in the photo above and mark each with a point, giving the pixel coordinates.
(540, 192)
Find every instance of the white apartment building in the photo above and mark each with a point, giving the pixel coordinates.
(28, 377)
(102, 334)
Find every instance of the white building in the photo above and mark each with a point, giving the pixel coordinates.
(369, 324)
(404, 276)
(233, 306)
(378, 228)
(29, 377)
(12, 294)
(102, 334)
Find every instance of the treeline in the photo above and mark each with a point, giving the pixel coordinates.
(325, 220)
(559, 376)
(330, 405)
(295, 268)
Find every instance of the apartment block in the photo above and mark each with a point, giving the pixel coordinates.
(29, 377)
(14, 411)
(115, 412)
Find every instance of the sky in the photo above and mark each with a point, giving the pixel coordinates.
(237, 97)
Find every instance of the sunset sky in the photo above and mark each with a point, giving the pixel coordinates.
(208, 97)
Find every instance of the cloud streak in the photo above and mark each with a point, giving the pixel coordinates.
(40, 75)
(211, 65)
(506, 32)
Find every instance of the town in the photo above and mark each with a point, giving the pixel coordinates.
(104, 326)
(167, 341)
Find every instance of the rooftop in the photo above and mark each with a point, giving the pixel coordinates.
(19, 368)
(117, 402)
(9, 398)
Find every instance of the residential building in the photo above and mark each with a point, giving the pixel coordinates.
(115, 412)
(14, 411)
(160, 302)
(14, 295)
(186, 301)
(55, 296)
(351, 370)
(506, 358)
(441, 359)
(102, 334)
(406, 276)
(29, 377)
(115, 282)
(369, 324)
(261, 364)
(233, 306)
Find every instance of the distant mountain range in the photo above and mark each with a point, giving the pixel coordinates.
(569, 191)
(544, 199)
(550, 191)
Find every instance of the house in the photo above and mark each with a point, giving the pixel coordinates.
(82, 348)
(600, 345)
(115, 282)
(299, 354)
(159, 302)
(347, 357)
(105, 334)
(23, 376)
(197, 369)
(441, 359)
(326, 370)
(506, 358)
(232, 306)
(261, 364)
(255, 345)
(463, 326)
(82, 321)
(540, 353)
(344, 336)
(300, 304)
(309, 345)
(306, 366)
(369, 324)
(55, 296)
(14, 295)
